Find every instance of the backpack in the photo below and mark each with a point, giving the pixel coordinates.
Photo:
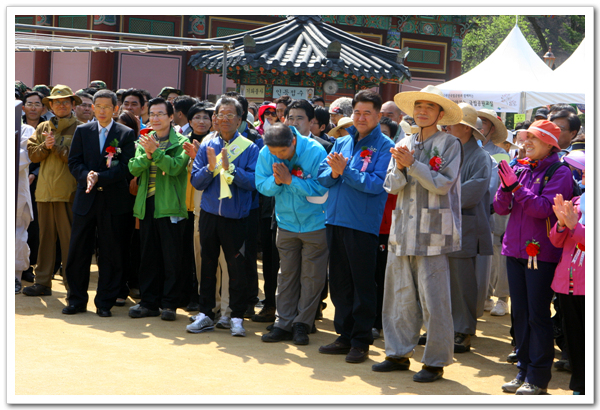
(549, 172)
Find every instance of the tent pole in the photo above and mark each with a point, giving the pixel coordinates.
(523, 103)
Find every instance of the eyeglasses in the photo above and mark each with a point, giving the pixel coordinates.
(61, 102)
(103, 107)
(271, 113)
(158, 114)
(32, 105)
(228, 116)
(85, 105)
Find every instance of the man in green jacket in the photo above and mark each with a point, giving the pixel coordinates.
(50, 145)
(160, 163)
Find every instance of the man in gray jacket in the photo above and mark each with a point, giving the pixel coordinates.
(475, 175)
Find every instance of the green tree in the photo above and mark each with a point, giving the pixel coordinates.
(489, 31)
(575, 31)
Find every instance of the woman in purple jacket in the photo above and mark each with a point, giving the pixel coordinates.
(569, 279)
(531, 257)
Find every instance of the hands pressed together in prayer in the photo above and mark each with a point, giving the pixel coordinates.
(565, 212)
(282, 174)
(338, 163)
(212, 158)
(404, 158)
(49, 139)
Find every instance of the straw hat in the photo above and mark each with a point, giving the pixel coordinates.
(499, 134)
(470, 119)
(61, 91)
(509, 139)
(344, 122)
(406, 102)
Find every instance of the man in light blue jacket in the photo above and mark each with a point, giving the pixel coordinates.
(354, 172)
(287, 169)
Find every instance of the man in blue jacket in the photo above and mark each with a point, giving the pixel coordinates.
(354, 172)
(287, 169)
(224, 170)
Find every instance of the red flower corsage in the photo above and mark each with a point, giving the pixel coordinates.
(112, 150)
(532, 248)
(297, 171)
(435, 163)
(366, 154)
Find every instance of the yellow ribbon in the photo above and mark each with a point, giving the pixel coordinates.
(226, 179)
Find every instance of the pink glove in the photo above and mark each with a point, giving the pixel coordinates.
(508, 178)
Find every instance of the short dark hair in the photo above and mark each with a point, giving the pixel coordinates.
(183, 103)
(368, 96)
(147, 95)
(130, 120)
(136, 93)
(230, 101)
(284, 99)
(278, 135)
(315, 99)
(160, 100)
(573, 119)
(242, 100)
(32, 94)
(106, 94)
(83, 94)
(196, 108)
(392, 125)
(322, 115)
(523, 125)
(90, 90)
(252, 106)
(301, 105)
(562, 106)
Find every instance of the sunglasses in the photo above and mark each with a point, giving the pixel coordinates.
(271, 113)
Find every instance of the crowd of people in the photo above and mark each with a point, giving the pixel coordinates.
(410, 214)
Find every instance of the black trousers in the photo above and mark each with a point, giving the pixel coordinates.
(352, 263)
(111, 234)
(251, 256)
(190, 282)
(573, 316)
(382, 252)
(131, 264)
(270, 261)
(161, 276)
(230, 234)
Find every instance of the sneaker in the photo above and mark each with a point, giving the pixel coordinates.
(529, 389)
(17, 286)
(266, 314)
(224, 322)
(37, 290)
(138, 311)
(201, 324)
(462, 342)
(488, 305)
(168, 314)
(422, 339)
(276, 335)
(512, 386)
(376, 333)
(500, 309)
(300, 334)
(249, 312)
(237, 326)
(512, 356)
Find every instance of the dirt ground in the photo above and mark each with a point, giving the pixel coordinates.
(84, 354)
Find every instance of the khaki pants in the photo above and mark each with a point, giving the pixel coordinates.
(54, 218)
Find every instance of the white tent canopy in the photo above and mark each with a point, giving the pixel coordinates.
(570, 80)
(512, 79)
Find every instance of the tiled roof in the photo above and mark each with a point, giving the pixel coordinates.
(306, 44)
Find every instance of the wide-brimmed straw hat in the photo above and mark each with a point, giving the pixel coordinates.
(499, 134)
(344, 122)
(406, 102)
(61, 91)
(470, 119)
(509, 138)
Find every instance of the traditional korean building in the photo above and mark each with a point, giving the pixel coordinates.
(434, 42)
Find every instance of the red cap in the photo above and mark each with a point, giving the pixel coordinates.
(546, 131)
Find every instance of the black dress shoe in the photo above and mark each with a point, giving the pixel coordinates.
(357, 355)
(102, 312)
(390, 364)
(429, 374)
(72, 309)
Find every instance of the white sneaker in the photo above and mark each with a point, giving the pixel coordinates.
(488, 305)
(500, 309)
(224, 322)
(529, 389)
(237, 327)
(201, 324)
(512, 386)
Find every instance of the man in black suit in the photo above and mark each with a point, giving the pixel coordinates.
(100, 152)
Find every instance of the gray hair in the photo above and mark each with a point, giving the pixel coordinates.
(230, 101)
(345, 104)
(278, 135)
